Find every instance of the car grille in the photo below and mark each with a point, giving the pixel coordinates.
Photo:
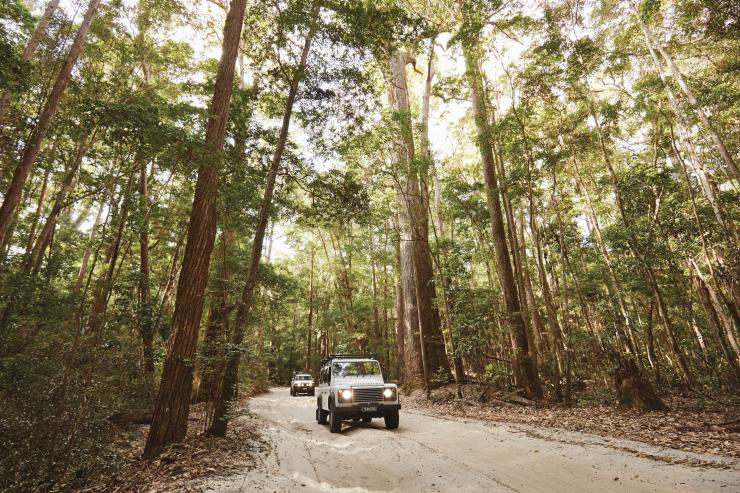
(372, 394)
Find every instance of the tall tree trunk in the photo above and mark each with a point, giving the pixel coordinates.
(614, 287)
(652, 356)
(13, 195)
(524, 368)
(708, 187)
(231, 372)
(217, 327)
(170, 419)
(438, 223)
(82, 273)
(30, 49)
(400, 311)
(723, 318)
(33, 262)
(652, 45)
(309, 329)
(416, 370)
(536, 317)
(146, 327)
(639, 256)
(104, 284)
(37, 216)
(511, 228)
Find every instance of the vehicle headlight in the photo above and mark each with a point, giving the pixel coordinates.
(344, 395)
(389, 394)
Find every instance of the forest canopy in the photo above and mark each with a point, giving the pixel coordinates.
(200, 198)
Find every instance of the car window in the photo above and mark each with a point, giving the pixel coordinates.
(356, 369)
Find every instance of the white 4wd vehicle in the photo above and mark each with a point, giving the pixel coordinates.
(302, 383)
(351, 387)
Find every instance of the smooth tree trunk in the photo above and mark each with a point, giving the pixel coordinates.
(170, 419)
(725, 321)
(709, 189)
(33, 44)
(676, 74)
(82, 273)
(31, 151)
(309, 328)
(146, 327)
(626, 329)
(416, 372)
(400, 325)
(647, 266)
(231, 372)
(33, 262)
(438, 223)
(524, 367)
(165, 291)
(103, 286)
(40, 203)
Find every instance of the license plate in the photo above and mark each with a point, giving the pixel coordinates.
(369, 409)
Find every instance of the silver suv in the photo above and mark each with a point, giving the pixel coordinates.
(302, 383)
(351, 386)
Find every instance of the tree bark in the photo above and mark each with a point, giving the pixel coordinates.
(522, 364)
(169, 423)
(30, 49)
(82, 273)
(146, 327)
(634, 391)
(13, 195)
(707, 186)
(37, 215)
(639, 256)
(33, 262)
(416, 372)
(652, 45)
(399, 308)
(309, 329)
(96, 317)
(231, 372)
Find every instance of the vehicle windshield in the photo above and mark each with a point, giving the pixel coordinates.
(303, 377)
(356, 369)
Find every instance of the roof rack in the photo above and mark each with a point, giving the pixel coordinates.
(328, 358)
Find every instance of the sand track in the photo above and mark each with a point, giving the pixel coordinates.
(432, 454)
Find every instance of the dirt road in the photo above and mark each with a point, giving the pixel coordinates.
(439, 455)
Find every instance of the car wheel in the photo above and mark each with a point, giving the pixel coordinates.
(321, 416)
(292, 394)
(335, 423)
(366, 420)
(313, 393)
(391, 420)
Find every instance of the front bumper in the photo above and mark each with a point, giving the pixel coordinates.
(301, 389)
(356, 410)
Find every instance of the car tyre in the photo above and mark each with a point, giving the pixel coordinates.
(321, 416)
(335, 423)
(391, 419)
(367, 420)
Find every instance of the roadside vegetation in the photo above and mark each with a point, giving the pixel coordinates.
(530, 206)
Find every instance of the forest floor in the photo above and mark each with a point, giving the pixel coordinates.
(701, 425)
(183, 465)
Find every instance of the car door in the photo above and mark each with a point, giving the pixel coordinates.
(324, 387)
